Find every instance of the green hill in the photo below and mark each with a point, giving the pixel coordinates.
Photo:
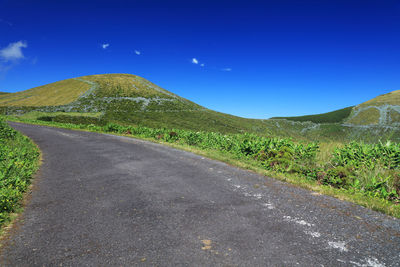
(383, 110)
(122, 98)
(58, 93)
(329, 117)
(372, 121)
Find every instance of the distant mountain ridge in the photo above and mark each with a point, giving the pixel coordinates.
(132, 100)
(383, 110)
(336, 116)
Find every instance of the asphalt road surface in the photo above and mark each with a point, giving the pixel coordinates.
(103, 200)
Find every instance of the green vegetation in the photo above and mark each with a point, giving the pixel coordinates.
(320, 159)
(131, 100)
(125, 99)
(371, 168)
(392, 98)
(53, 94)
(330, 117)
(367, 174)
(369, 116)
(74, 119)
(33, 115)
(383, 110)
(19, 159)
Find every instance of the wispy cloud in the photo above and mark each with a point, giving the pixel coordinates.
(13, 51)
(105, 46)
(6, 22)
(34, 60)
(226, 69)
(202, 65)
(137, 52)
(195, 61)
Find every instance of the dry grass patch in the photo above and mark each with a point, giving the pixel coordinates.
(53, 94)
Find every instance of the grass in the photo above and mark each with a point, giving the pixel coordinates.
(366, 117)
(392, 98)
(325, 151)
(126, 99)
(383, 110)
(131, 100)
(128, 85)
(292, 162)
(212, 121)
(53, 94)
(19, 160)
(34, 115)
(329, 117)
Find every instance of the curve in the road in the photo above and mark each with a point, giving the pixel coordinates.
(103, 200)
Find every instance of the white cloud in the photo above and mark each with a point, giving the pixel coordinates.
(226, 69)
(195, 61)
(105, 46)
(202, 65)
(137, 52)
(13, 51)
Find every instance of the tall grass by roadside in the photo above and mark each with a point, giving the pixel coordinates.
(19, 160)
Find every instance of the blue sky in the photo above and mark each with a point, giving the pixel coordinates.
(255, 59)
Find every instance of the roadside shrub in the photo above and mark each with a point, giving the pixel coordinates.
(374, 167)
(85, 120)
(339, 177)
(113, 127)
(396, 183)
(6, 132)
(18, 162)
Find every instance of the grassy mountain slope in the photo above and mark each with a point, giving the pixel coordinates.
(126, 99)
(53, 94)
(371, 121)
(131, 100)
(383, 110)
(329, 117)
(392, 98)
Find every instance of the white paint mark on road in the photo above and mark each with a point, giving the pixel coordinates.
(257, 196)
(298, 221)
(369, 262)
(269, 206)
(313, 234)
(338, 245)
(67, 135)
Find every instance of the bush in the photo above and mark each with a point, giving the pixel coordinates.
(18, 162)
(85, 120)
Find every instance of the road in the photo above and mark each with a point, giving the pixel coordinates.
(103, 200)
